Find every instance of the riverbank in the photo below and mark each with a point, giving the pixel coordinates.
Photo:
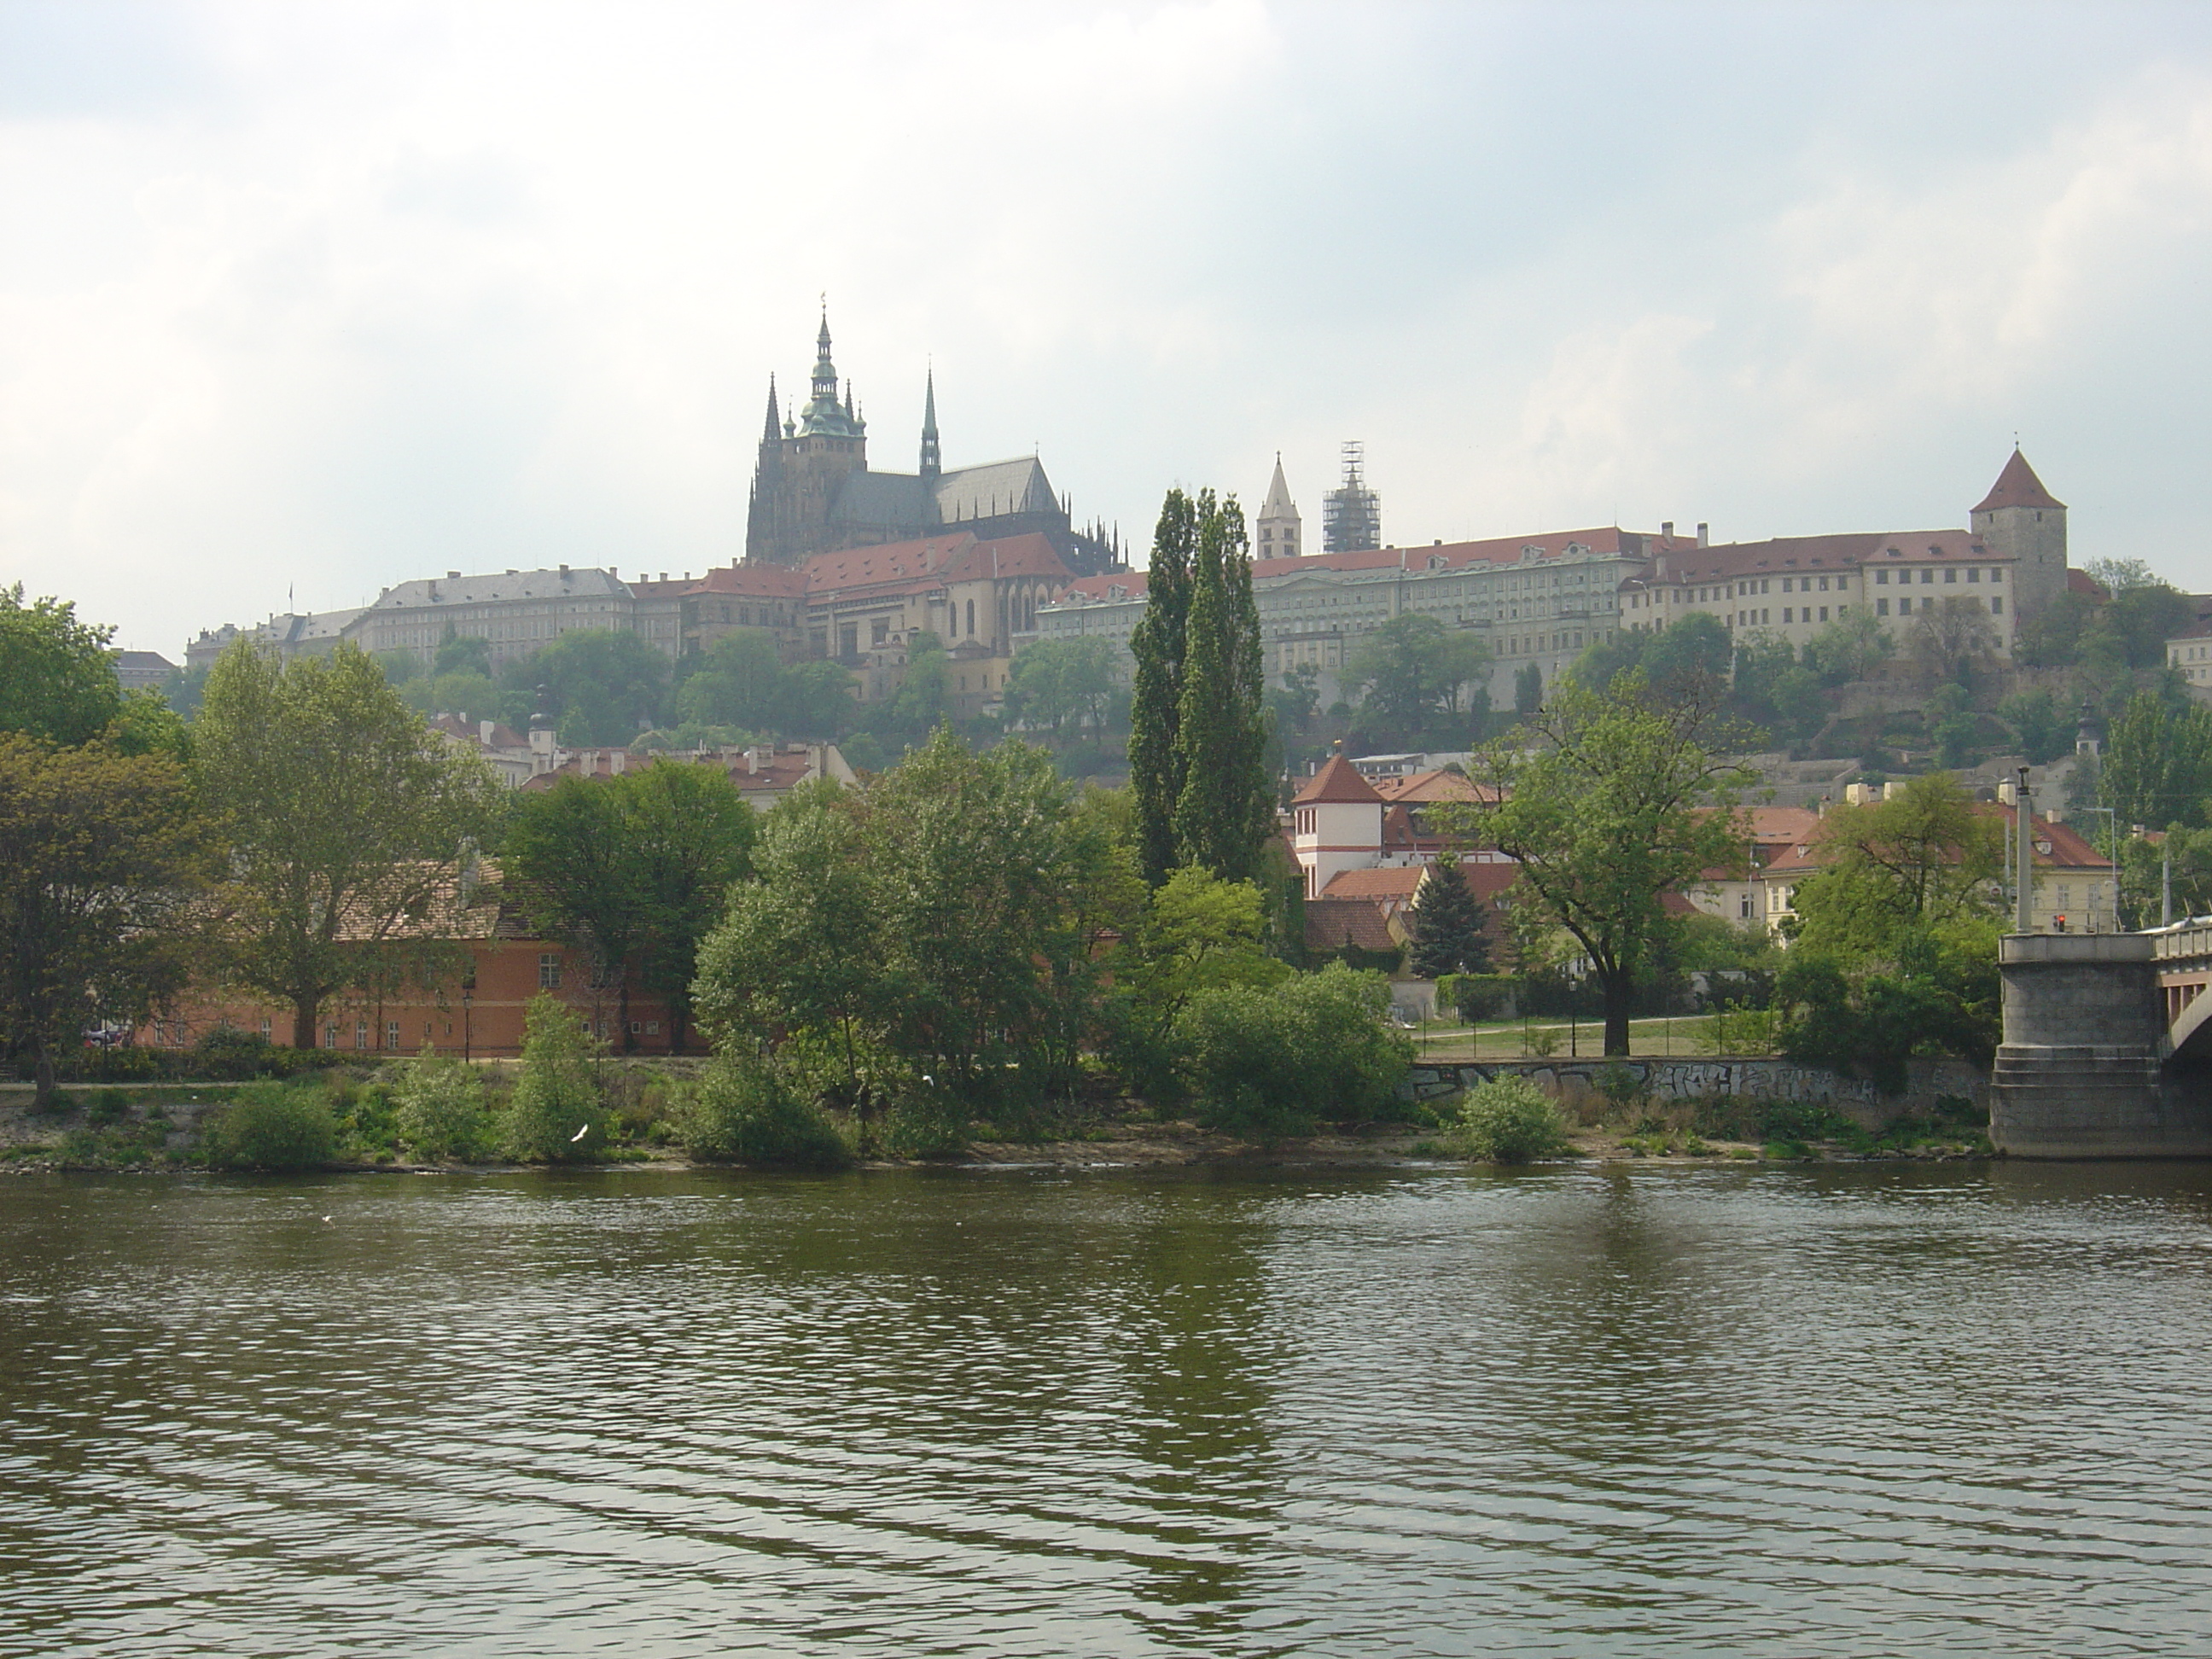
(156, 1129)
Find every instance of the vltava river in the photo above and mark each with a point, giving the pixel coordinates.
(1611, 1412)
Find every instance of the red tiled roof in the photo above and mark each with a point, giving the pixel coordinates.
(777, 581)
(1430, 789)
(1782, 553)
(2069, 851)
(1337, 782)
(1332, 924)
(2082, 582)
(2018, 486)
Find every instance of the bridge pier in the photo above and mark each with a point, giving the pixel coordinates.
(2083, 1071)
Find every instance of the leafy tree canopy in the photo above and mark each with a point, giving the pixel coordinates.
(605, 686)
(1896, 871)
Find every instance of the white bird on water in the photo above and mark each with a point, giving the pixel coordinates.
(580, 1134)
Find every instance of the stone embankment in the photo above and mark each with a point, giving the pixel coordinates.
(1576, 1085)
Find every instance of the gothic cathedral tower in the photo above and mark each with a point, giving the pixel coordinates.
(802, 466)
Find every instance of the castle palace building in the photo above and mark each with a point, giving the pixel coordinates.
(813, 491)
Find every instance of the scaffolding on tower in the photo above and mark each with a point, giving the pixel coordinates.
(1352, 514)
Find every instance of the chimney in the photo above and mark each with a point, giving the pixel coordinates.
(617, 759)
(1704, 534)
(452, 576)
(1667, 528)
(483, 732)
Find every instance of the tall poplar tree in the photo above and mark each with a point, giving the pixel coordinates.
(1156, 774)
(1224, 813)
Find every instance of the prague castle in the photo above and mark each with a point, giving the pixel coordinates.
(813, 491)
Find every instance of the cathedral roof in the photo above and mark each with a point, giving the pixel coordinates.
(994, 489)
(885, 500)
(932, 562)
(2018, 486)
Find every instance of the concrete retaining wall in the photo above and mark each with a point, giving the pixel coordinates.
(1573, 1083)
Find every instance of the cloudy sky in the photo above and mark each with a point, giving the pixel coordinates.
(297, 300)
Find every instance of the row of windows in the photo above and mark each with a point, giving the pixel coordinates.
(1904, 605)
(1928, 577)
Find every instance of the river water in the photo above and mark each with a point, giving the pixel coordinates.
(1611, 1411)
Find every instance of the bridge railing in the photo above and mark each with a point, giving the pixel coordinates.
(2188, 939)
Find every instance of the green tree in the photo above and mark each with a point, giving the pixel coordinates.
(2158, 762)
(463, 653)
(1951, 641)
(1226, 810)
(1157, 644)
(2050, 633)
(605, 684)
(1528, 692)
(800, 949)
(1618, 800)
(2044, 729)
(1850, 648)
(58, 683)
(465, 693)
(1058, 683)
(570, 864)
(1447, 925)
(633, 870)
(1682, 660)
(924, 700)
(103, 856)
(345, 817)
(1897, 870)
(691, 838)
(1411, 673)
(745, 1111)
(969, 857)
(1200, 933)
(555, 1102)
(1951, 722)
(741, 682)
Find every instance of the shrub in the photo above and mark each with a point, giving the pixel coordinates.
(1509, 1120)
(439, 1109)
(1478, 996)
(1741, 1031)
(926, 1120)
(1275, 1062)
(272, 1126)
(744, 1112)
(556, 1092)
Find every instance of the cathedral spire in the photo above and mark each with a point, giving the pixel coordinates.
(775, 428)
(932, 462)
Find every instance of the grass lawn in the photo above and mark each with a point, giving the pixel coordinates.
(1584, 1039)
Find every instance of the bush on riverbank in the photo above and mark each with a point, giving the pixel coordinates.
(556, 1103)
(440, 1111)
(742, 1111)
(1276, 1062)
(271, 1126)
(1507, 1120)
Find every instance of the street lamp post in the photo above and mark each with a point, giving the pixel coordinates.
(468, 1000)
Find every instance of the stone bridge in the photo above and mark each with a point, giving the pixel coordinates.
(2108, 1048)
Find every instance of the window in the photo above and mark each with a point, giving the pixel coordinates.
(1824, 613)
(1785, 588)
(1996, 576)
(329, 1036)
(1973, 575)
(1743, 907)
(361, 1034)
(391, 1036)
(548, 971)
(265, 1028)
(1881, 607)
(1823, 584)
(1927, 578)
(1951, 578)
(971, 617)
(1785, 609)
(1997, 605)
(1881, 579)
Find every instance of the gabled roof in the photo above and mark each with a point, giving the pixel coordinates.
(1278, 504)
(2018, 486)
(1428, 789)
(995, 487)
(1332, 924)
(2082, 582)
(1337, 783)
(761, 581)
(1800, 555)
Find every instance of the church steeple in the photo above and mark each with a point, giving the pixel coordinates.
(1279, 532)
(826, 415)
(932, 463)
(775, 428)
